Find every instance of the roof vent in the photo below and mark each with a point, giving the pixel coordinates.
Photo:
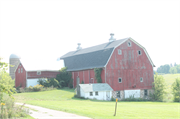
(79, 48)
(112, 39)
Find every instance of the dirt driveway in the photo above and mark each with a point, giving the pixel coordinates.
(44, 113)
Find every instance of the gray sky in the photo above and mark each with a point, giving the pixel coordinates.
(41, 31)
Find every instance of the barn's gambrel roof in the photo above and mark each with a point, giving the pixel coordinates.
(94, 57)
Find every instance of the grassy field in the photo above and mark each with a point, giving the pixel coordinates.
(170, 78)
(63, 100)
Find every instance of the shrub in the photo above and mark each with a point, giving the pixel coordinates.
(113, 99)
(159, 88)
(9, 110)
(37, 87)
(64, 78)
(6, 85)
(50, 82)
(176, 90)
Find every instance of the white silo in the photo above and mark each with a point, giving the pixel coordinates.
(13, 60)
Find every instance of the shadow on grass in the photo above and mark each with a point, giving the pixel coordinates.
(93, 100)
(66, 89)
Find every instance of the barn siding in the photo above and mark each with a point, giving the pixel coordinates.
(20, 78)
(44, 74)
(130, 67)
(86, 76)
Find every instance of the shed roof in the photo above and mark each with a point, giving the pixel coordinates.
(95, 87)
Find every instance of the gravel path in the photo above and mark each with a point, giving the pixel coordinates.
(44, 113)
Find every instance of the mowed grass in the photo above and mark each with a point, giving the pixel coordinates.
(63, 100)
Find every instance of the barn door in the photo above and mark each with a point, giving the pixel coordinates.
(108, 95)
(78, 87)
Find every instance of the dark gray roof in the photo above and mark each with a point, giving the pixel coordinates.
(92, 57)
(95, 87)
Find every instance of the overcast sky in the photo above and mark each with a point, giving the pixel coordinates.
(41, 31)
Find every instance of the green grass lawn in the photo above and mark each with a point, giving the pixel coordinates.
(63, 100)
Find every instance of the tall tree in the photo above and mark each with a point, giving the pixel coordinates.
(6, 83)
(163, 69)
(173, 70)
(171, 65)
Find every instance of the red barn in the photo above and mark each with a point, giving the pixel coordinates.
(126, 65)
(26, 78)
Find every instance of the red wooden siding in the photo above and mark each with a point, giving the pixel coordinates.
(130, 66)
(88, 76)
(20, 78)
(44, 74)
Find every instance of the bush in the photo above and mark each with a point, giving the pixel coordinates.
(9, 110)
(113, 99)
(176, 90)
(159, 88)
(64, 78)
(50, 82)
(37, 87)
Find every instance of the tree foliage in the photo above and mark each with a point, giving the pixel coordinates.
(64, 77)
(159, 87)
(163, 69)
(176, 90)
(173, 70)
(50, 82)
(169, 69)
(6, 83)
(97, 72)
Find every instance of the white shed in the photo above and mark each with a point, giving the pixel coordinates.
(99, 91)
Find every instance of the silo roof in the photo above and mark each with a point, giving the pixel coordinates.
(12, 56)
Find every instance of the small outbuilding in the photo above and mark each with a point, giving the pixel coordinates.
(99, 91)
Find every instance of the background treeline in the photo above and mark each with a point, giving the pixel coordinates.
(166, 69)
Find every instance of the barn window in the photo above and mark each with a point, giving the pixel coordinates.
(21, 70)
(18, 70)
(119, 52)
(139, 52)
(96, 93)
(91, 93)
(38, 72)
(141, 79)
(145, 92)
(129, 44)
(118, 94)
(120, 80)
